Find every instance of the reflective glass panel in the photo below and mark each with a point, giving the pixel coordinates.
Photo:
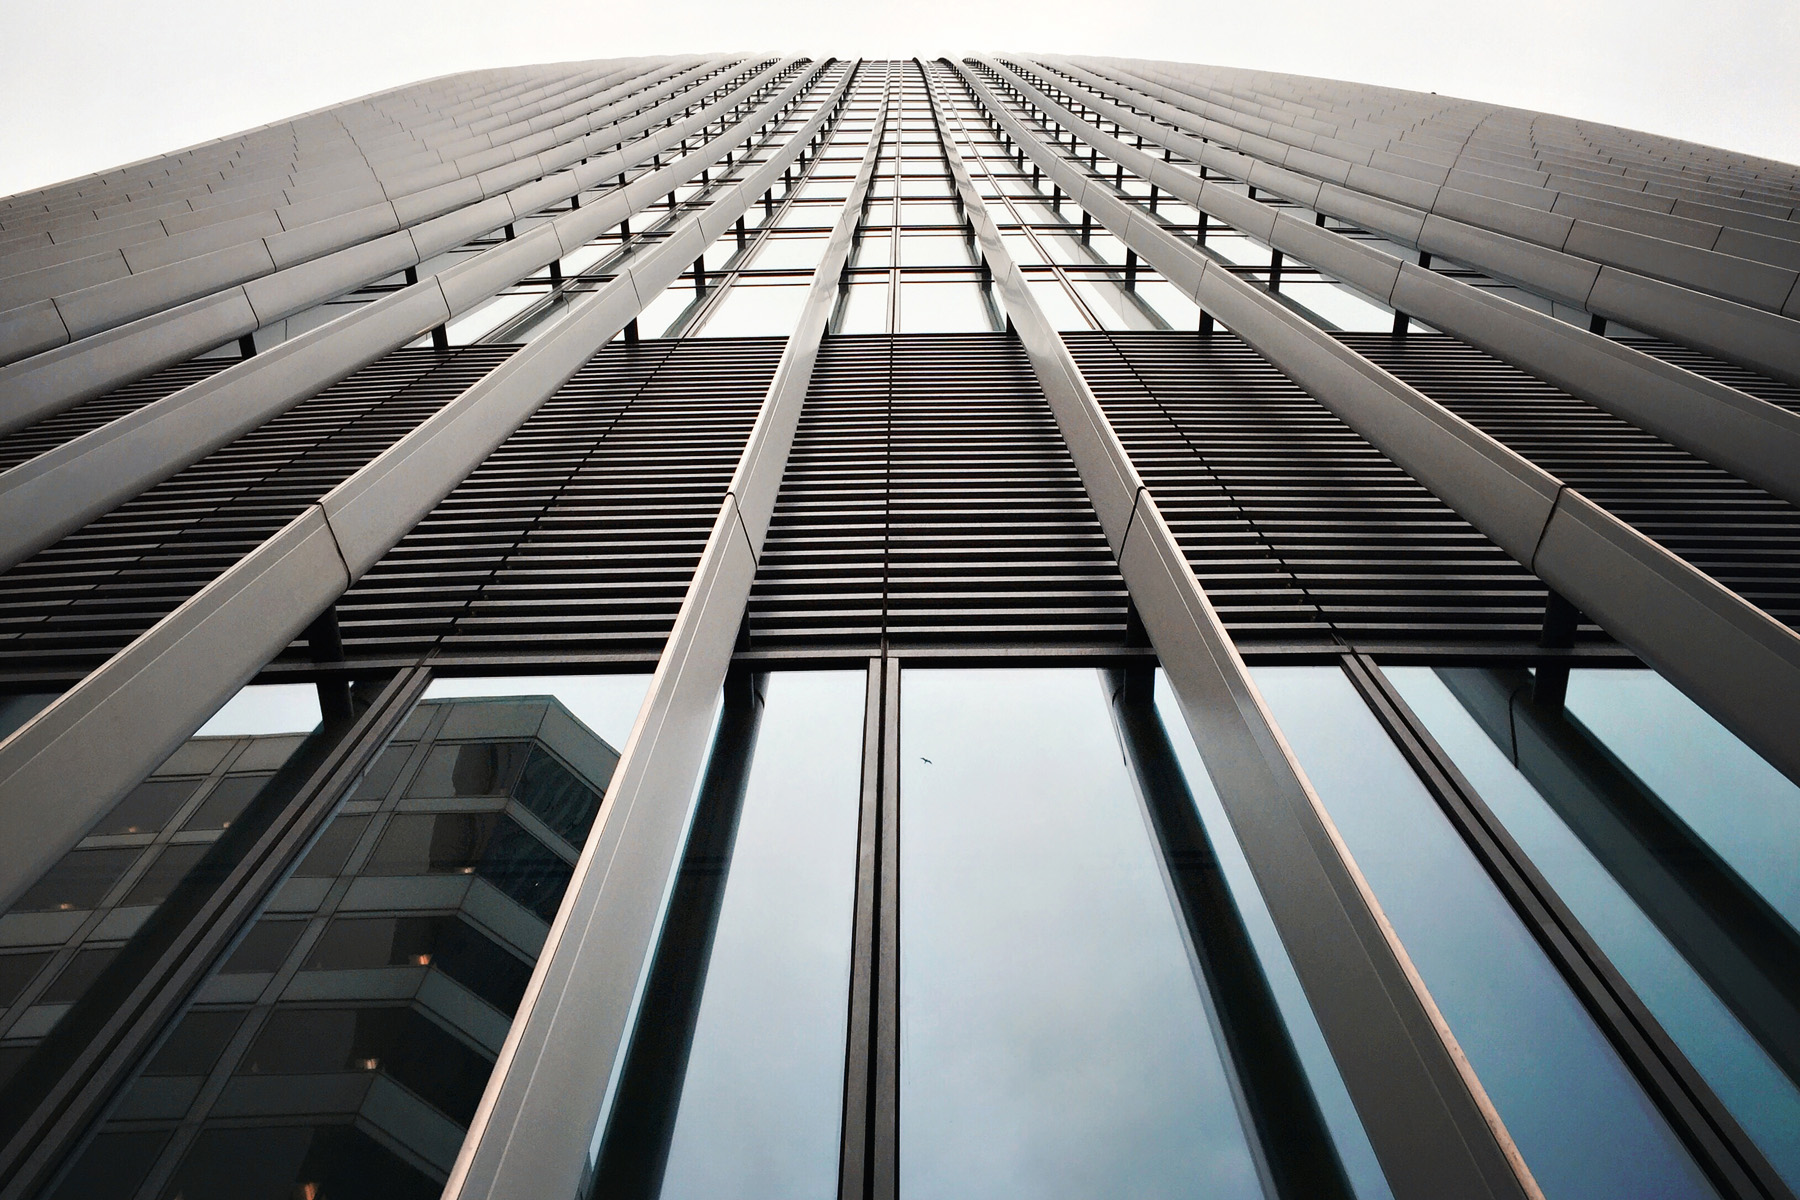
(340, 1046)
(93, 904)
(1583, 1125)
(1525, 782)
(1054, 1040)
(762, 1099)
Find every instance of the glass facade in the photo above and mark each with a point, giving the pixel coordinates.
(788, 654)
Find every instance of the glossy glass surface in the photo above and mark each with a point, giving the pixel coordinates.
(762, 1100)
(1354, 1151)
(340, 1047)
(1745, 809)
(1764, 1101)
(1585, 1128)
(1054, 1039)
(64, 930)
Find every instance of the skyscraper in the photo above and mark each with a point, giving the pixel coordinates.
(1007, 626)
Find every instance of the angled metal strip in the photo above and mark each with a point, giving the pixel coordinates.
(102, 736)
(433, 194)
(1756, 440)
(1730, 656)
(50, 382)
(1751, 337)
(64, 488)
(539, 1122)
(1428, 1118)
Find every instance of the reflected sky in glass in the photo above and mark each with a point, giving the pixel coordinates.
(1747, 810)
(1762, 1099)
(1585, 1128)
(1054, 1041)
(1354, 1150)
(264, 709)
(763, 1098)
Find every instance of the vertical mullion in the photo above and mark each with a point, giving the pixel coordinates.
(1714, 1137)
(868, 1163)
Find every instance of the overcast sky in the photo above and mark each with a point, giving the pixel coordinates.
(89, 84)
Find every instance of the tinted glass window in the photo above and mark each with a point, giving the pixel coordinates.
(1583, 1125)
(762, 1100)
(1055, 1040)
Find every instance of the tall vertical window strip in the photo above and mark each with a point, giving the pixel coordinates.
(1566, 786)
(1055, 1039)
(1581, 1121)
(762, 1092)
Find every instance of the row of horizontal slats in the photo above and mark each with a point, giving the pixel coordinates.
(929, 500)
(578, 536)
(24, 444)
(1301, 532)
(1736, 533)
(74, 603)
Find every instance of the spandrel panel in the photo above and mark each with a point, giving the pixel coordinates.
(1583, 1125)
(761, 1101)
(342, 1042)
(1450, 703)
(1054, 1039)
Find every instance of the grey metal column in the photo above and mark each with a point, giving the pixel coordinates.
(1762, 340)
(539, 1124)
(1756, 440)
(105, 734)
(1733, 658)
(1428, 1119)
(62, 489)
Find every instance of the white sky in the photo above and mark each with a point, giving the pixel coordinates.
(89, 84)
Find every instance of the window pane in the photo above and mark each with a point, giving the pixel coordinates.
(943, 308)
(91, 912)
(341, 1045)
(1354, 1150)
(1580, 1120)
(1744, 808)
(756, 310)
(762, 1100)
(1054, 1040)
(1465, 708)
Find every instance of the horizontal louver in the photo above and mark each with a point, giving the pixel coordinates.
(579, 534)
(929, 499)
(1300, 531)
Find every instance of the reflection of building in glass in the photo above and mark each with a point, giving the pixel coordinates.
(63, 931)
(344, 1043)
(1336, 550)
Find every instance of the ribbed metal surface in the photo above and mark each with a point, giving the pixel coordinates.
(929, 500)
(53, 431)
(1738, 534)
(580, 533)
(73, 604)
(1729, 374)
(1300, 531)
